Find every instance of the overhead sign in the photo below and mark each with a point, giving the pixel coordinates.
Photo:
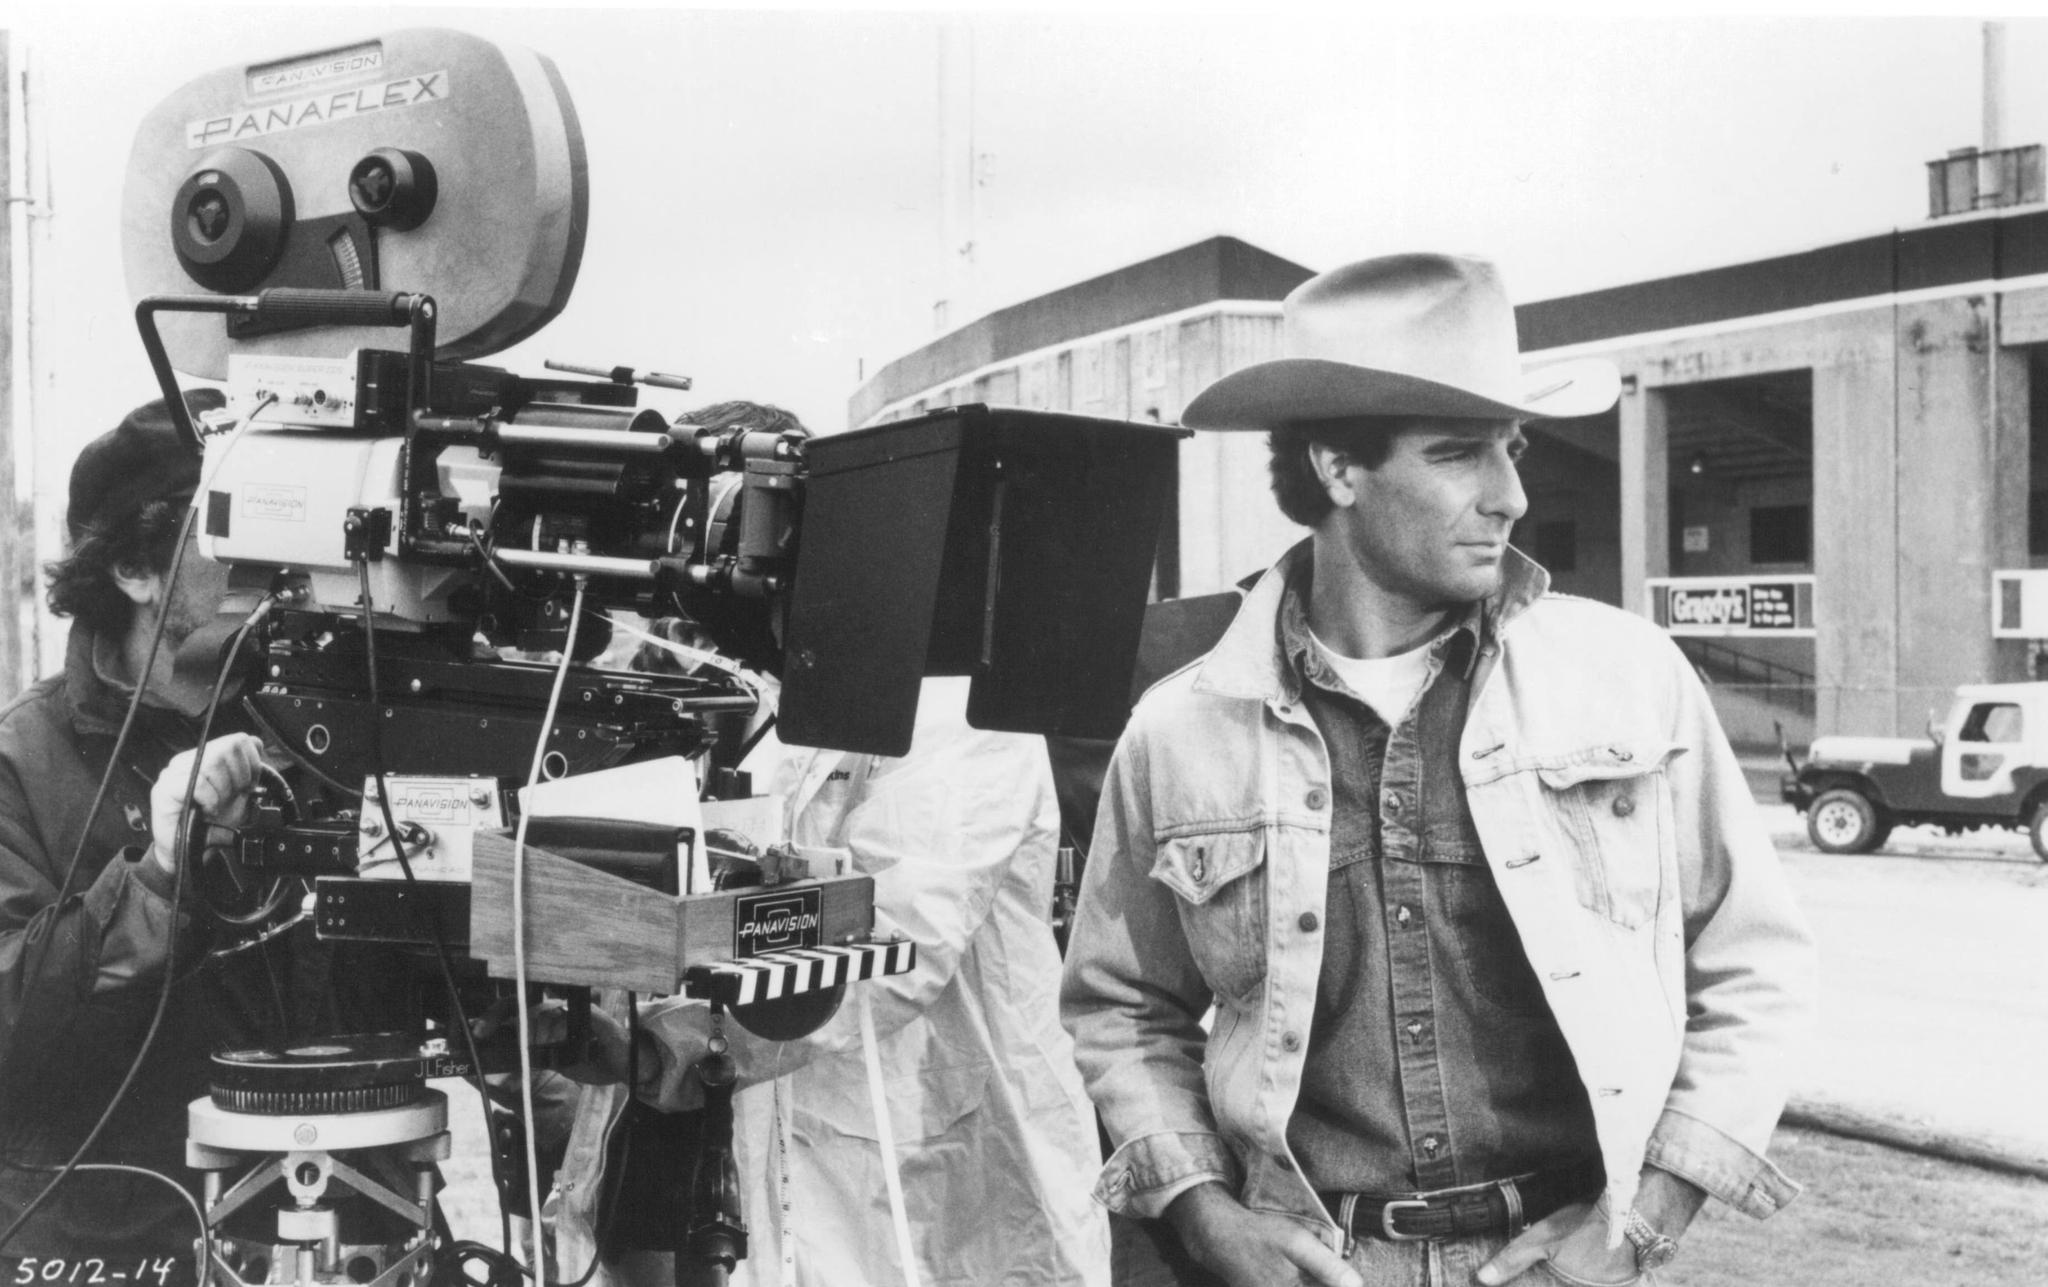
(1778, 606)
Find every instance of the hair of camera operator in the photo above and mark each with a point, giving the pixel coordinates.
(761, 417)
(129, 489)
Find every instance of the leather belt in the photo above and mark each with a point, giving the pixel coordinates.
(1502, 1208)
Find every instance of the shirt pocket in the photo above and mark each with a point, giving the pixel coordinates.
(1612, 802)
(1218, 882)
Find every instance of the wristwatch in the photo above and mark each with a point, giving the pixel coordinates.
(1653, 1249)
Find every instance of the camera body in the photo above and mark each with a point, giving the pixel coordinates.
(423, 160)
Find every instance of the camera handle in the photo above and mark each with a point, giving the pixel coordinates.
(715, 1238)
(297, 307)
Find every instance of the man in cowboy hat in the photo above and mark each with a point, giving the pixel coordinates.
(1504, 967)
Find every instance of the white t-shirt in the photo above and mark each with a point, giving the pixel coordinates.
(1389, 685)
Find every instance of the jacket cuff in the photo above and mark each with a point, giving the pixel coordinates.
(1149, 1172)
(147, 871)
(1692, 1150)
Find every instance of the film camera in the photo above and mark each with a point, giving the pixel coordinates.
(339, 236)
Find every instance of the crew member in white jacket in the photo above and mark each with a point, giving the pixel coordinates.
(995, 1137)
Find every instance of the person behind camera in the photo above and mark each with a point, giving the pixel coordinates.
(1505, 971)
(80, 977)
(995, 1138)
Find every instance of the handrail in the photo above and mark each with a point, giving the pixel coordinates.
(1736, 660)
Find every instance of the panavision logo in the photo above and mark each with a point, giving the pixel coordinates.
(778, 921)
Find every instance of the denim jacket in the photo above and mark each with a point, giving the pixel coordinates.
(1618, 827)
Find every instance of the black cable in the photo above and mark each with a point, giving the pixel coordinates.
(754, 740)
(504, 1270)
(191, 1203)
(185, 858)
(278, 739)
(99, 795)
(284, 1017)
(457, 1018)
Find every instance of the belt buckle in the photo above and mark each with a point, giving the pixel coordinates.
(1387, 1229)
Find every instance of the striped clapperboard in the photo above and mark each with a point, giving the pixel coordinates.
(773, 975)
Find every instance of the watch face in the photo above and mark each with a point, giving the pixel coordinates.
(1657, 1255)
(1653, 1249)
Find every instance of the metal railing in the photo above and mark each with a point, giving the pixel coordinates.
(1769, 674)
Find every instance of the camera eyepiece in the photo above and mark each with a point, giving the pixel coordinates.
(230, 218)
(393, 188)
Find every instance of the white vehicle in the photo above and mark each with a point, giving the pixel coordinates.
(1987, 766)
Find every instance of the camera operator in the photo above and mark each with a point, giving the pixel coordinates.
(82, 959)
(995, 1139)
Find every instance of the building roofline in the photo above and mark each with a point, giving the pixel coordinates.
(1944, 253)
(1218, 268)
(1986, 246)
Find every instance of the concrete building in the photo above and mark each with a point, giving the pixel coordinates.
(1828, 474)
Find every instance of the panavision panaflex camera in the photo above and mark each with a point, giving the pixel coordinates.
(339, 236)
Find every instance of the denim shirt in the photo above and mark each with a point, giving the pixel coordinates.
(1433, 1061)
(1663, 933)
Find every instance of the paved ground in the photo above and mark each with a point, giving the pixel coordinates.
(1934, 975)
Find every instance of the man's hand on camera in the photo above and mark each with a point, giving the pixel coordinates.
(227, 770)
(1249, 1248)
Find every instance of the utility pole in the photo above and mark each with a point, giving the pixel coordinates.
(1991, 166)
(958, 175)
(10, 516)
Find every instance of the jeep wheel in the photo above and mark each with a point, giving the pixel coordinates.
(1843, 822)
(2037, 831)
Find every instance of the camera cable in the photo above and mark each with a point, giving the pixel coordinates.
(540, 750)
(191, 1203)
(457, 1018)
(187, 815)
(114, 761)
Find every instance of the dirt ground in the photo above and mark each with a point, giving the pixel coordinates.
(1870, 1217)
(1873, 1217)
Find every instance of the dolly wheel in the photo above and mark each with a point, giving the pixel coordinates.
(1843, 821)
(2037, 831)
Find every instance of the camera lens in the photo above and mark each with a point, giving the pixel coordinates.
(230, 218)
(393, 188)
(209, 216)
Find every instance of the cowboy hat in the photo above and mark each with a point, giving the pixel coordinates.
(1403, 335)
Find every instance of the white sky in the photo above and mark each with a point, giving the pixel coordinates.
(765, 188)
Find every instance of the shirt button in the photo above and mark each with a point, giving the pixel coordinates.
(1624, 805)
(1308, 922)
(1623, 754)
(1415, 1027)
(1430, 1145)
(1290, 1041)
(1199, 865)
(1393, 803)
(1317, 798)
(1403, 915)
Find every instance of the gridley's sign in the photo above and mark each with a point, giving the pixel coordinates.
(1734, 605)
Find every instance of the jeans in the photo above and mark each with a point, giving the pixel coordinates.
(1145, 1253)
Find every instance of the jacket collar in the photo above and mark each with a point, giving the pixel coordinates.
(97, 701)
(96, 704)
(1250, 662)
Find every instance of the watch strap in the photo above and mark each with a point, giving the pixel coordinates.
(1653, 1249)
